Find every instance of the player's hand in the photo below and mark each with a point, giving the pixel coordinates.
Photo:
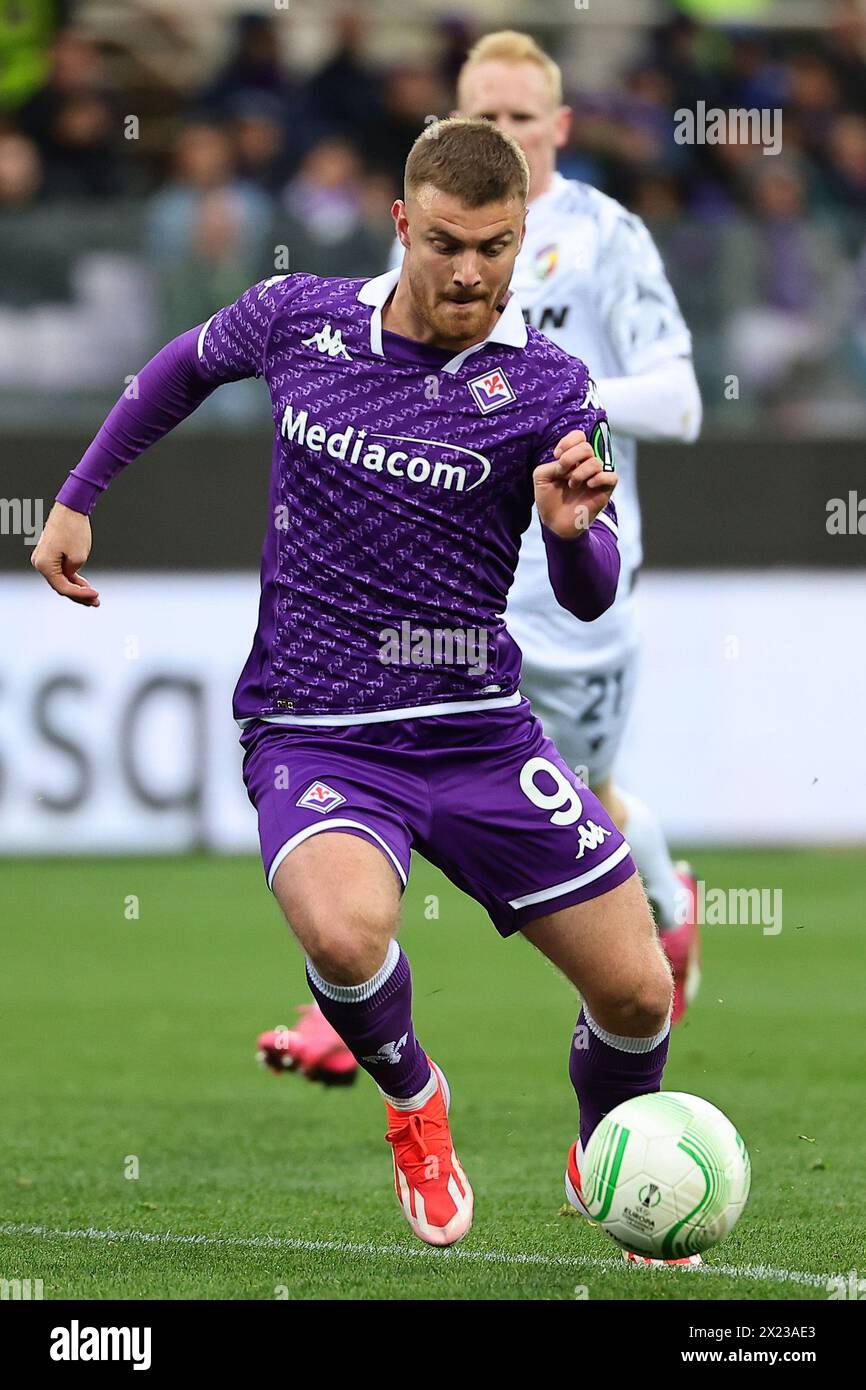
(572, 489)
(60, 552)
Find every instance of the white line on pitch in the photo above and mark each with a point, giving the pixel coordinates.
(766, 1273)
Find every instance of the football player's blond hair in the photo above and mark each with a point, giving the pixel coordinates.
(472, 160)
(510, 46)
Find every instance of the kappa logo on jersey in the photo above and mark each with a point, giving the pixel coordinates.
(329, 342)
(389, 1053)
(320, 797)
(491, 390)
(546, 261)
(590, 836)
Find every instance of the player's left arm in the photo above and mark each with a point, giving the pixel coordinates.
(573, 482)
(656, 397)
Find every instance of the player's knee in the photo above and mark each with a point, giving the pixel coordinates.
(349, 952)
(638, 1008)
(654, 995)
(649, 1009)
(343, 912)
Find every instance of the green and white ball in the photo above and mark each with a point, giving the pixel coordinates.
(666, 1175)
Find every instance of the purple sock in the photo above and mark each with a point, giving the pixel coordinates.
(606, 1069)
(375, 1022)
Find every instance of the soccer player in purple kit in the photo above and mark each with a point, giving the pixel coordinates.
(416, 419)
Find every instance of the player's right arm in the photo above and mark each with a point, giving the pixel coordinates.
(60, 552)
(174, 383)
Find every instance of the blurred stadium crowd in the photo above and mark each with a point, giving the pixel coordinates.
(131, 206)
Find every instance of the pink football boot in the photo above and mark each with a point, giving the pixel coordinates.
(682, 945)
(311, 1048)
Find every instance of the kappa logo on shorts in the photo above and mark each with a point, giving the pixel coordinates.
(491, 390)
(320, 797)
(590, 836)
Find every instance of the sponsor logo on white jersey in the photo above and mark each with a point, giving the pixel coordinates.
(547, 317)
(546, 261)
(320, 797)
(389, 1053)
(441, 465)
(491, 390)
(329, 341)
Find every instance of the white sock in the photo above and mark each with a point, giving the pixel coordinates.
(650, 852)
(627, 1044)
(414, 1102)
(356, 994)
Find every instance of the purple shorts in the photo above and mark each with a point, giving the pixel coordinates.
(485, 797)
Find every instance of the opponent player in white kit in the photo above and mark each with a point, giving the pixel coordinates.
(590, 277)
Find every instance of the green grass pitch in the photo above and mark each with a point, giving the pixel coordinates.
(129, 1042)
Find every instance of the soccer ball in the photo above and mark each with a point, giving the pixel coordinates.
(665, 1175)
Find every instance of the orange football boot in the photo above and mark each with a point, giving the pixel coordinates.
(432, 1188)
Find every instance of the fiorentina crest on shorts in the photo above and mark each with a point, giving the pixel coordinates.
(320, 797)
(491, 390)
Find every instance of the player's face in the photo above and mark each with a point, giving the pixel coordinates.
(517, 98)
(458, 261)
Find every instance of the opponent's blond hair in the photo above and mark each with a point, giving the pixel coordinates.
(510, 46)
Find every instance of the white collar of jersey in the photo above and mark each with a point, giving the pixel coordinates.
(509, 329)
(556, 185)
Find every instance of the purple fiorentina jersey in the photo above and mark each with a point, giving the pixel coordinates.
(401, 484)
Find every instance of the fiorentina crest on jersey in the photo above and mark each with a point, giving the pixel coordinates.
(491, 390)
(320, 797)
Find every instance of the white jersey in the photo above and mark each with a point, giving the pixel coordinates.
(589, 277)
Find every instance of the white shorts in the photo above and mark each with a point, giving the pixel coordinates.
(581, 687)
